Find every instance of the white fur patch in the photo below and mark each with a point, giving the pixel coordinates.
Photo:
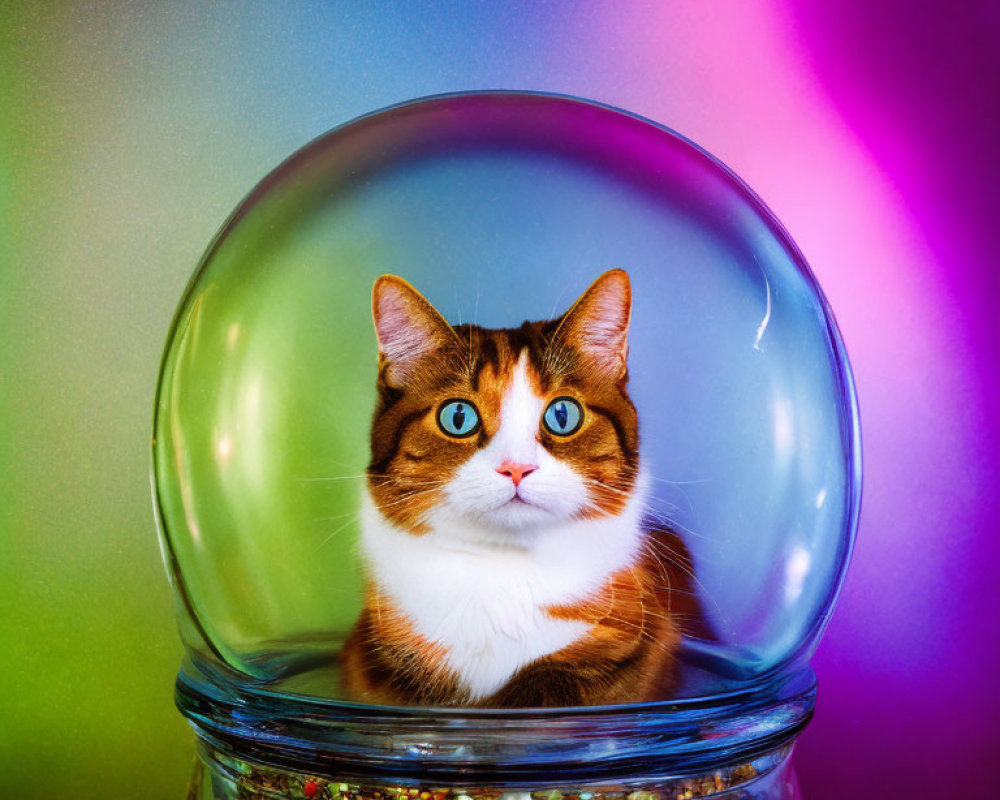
(484, 602)
(478, 582)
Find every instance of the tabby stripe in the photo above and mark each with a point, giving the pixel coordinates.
(631, 454)
(488, 354)
(380, 467)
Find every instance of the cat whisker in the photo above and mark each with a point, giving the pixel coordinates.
(671, 482)
(656, 549)
(555, 305)
(409, 495)
(661, 501)
(423, 481)
(680, 487)
(416, 485)
(672, 591)
(608, 487)
(626, 492)
(472, 353)
(334, 478)
(677, 527)
(330, 536)
(406, 497)
(396, 480)
(643, 631)
(355, 517)
(384, 476)
(333, 517)
(654, 505)
(664, 573)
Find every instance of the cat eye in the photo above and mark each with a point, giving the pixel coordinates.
(458, 418)
(563, 416)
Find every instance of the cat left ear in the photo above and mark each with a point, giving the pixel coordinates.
(408, 327)
(597, 324)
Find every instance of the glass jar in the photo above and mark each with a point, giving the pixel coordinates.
(499, 207)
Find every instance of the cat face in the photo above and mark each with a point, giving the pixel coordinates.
(495, 435)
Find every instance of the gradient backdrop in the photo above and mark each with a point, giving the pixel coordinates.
(128, 131)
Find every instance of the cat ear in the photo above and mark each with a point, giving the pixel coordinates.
(597, 324)
(407, 326)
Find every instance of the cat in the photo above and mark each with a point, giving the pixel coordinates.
(503, 531)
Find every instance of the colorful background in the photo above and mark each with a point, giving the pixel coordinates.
(128, 131)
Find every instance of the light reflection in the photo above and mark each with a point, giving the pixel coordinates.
(783, 428)
(180, 449)
(795, 573)
(250, 422)
(767, 315)
(820, 498)
(224, 448)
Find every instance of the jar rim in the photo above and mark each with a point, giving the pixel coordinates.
(522, 746)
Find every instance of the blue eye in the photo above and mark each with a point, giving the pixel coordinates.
(458, 418)
(563, 416)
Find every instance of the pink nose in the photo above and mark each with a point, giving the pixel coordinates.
(516, 472)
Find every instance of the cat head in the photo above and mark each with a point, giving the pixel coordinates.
(502, 433)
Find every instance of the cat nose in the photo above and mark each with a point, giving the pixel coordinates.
(516, 472)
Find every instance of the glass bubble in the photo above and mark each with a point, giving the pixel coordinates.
(499, 207)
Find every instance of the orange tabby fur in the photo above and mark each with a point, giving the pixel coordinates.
(635, 617)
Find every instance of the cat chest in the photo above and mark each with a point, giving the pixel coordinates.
(489, 623)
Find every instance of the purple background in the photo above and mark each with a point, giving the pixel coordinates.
(908, 668)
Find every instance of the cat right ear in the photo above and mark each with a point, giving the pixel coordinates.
(407, 326)
(597, 324)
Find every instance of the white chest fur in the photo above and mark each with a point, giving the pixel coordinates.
(485, 604)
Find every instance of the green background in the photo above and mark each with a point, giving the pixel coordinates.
(128, 132)
(102, 221)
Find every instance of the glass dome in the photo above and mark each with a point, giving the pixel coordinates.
(499, 208)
